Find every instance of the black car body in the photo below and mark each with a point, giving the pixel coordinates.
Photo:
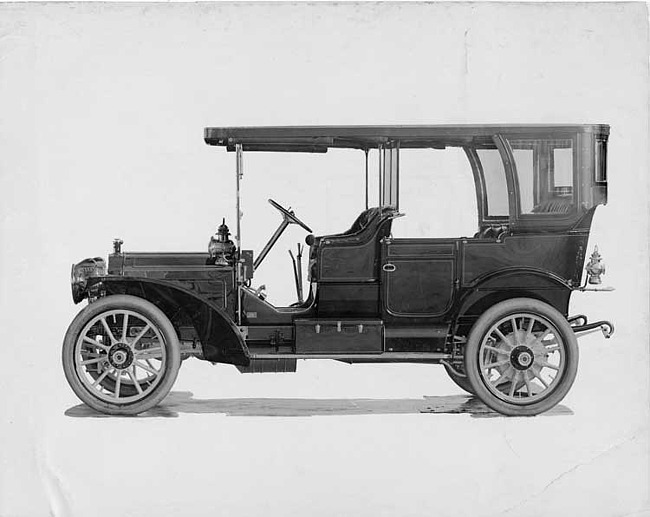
(500, 297)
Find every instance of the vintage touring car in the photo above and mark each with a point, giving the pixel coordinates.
(492, 307)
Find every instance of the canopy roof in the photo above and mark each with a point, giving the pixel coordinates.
(321, 138)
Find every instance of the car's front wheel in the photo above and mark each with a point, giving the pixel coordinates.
(121, 355)
(521, 357)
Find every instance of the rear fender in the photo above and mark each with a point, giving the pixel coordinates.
(220, 338)
(513, 283)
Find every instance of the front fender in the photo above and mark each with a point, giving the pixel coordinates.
(220, 338)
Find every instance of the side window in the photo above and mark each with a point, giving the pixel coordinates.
(525, 161)
(390, 158)
(601, 161)
(437, 194)
(545, 175)
(562, 170)
(496, 188)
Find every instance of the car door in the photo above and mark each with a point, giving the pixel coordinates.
(418, 277)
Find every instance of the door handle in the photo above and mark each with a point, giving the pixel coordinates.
(389, 267)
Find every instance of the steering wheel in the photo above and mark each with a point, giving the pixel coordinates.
(289, 216)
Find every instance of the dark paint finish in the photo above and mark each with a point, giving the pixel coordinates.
(256, 311)
(330, 337)
(348, 300)
(352, 255)
(419, 287)
(281, 334)
(434, 281)
(558, 254)
(408, 295)
(418, 278)
(348, 263)
(220, 339)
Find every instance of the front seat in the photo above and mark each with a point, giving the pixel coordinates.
(352, 255)
(369, 218)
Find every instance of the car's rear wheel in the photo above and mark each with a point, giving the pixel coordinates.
(121, 355)
(521, 357)
(461, 381)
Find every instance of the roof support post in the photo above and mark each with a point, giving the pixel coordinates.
(366, 152)
(239, 276)
(382, 156)
(240, 174)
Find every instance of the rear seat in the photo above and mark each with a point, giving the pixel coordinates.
(556, 205)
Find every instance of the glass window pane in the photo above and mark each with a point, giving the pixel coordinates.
(601, 161)
(524, 158)
(495, 182)
(544, 174)
(389, 191)
(563, 169)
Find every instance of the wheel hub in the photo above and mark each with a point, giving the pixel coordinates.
(120, 356)
(521, 357)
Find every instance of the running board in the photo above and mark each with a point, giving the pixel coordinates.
(416, 332)
(387, 356)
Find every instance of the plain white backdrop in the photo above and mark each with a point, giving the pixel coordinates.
(102, 110)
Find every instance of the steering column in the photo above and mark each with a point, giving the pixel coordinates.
(288, 217)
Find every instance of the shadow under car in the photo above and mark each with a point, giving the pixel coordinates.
(184, 402)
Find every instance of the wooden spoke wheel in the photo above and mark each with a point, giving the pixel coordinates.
(121, 355)
(521, 357)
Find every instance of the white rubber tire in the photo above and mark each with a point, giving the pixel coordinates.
(170, 343)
